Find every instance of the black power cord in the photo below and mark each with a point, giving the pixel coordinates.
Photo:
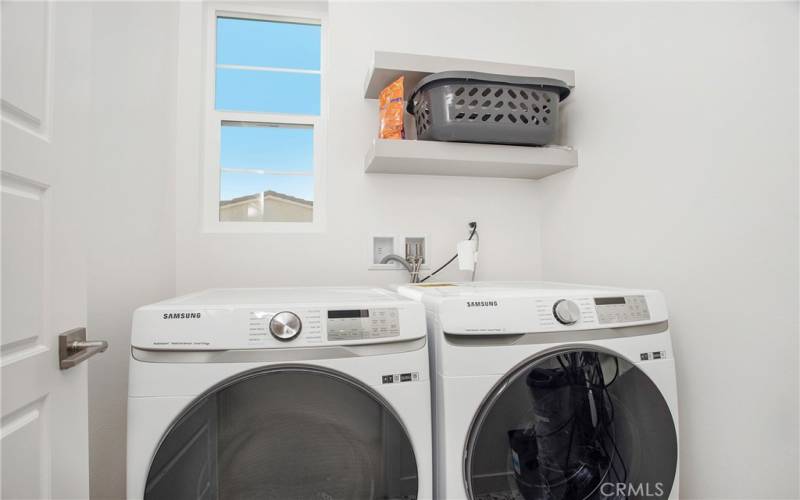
(474, 227)
(584, 372)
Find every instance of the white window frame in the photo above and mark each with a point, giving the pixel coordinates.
(214, 119)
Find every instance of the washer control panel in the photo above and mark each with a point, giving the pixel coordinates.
(628, 308)
(359, 324)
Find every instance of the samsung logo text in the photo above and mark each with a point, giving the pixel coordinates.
(181, 315)
(482, 303)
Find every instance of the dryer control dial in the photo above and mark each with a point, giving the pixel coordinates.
(285, 326)
(566, 312)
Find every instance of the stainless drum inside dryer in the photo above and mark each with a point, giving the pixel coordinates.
(285, 433)
(575, 424)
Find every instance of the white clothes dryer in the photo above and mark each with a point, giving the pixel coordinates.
(318, 393)
(550, 391)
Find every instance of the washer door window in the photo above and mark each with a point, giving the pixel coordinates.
(288, 433)
(573, 425)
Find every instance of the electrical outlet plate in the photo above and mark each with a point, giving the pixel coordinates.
(381, 245)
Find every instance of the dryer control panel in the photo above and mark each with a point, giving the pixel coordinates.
(504, 308)
(359, 324)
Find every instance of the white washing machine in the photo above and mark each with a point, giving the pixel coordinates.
(317, 393)
(551, 391)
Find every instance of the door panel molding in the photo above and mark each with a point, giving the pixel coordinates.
(24, 262)
(29, 105)
(30, 470)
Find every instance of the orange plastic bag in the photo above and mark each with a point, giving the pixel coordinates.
(391, 109)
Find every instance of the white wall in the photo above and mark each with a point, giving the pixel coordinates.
(358, 205)
(686, 116)
(132, 224)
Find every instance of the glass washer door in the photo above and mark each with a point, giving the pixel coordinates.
(577, 424)
(285, 433)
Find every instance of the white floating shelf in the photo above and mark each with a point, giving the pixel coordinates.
(388, 66)
(476, 160)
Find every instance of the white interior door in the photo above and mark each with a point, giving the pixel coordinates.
(45, 104)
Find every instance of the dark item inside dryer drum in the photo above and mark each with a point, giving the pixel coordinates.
(573, 425)
(285, 433)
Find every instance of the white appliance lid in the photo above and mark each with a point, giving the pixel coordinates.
(282, 295)
(437, 293)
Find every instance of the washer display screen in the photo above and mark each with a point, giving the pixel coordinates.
(360, 324)
(349, 313)
(621, 309)
(604, 301)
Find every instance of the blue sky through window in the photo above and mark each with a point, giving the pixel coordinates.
(248, 54)
(278, 149)
(294, 49)
(248, 42)
(267, 91)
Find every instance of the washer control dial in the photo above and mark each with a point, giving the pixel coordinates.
(566, 312)
(285, 326)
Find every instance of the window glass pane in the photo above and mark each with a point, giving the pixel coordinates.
(250, 42)
(277, 148)
(267, 91)
(266, 198)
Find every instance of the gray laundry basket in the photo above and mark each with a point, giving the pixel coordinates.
(467, 106)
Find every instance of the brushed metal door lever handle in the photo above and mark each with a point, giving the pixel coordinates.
(73, 348)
